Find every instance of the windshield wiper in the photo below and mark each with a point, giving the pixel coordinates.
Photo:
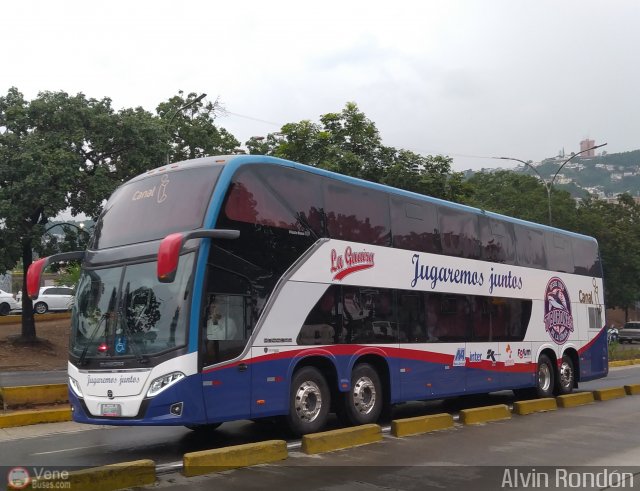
(81, 360)
(128, 333)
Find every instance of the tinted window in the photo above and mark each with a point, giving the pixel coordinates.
(559, 254)
(459, 233)
(357, 214)
(414, 226)
(530, 247)
(497, 240)
(585, 257)
(153, 207)
(276, 197)
(500, 319)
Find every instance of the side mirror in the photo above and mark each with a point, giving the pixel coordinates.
(34, 273)
(171, 247)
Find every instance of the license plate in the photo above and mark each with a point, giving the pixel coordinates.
(110, 409)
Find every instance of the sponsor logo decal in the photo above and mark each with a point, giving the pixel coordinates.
(491, 355)
(459, 360)
(509, 361)
(350, 262)
(524, 353)
(475, 357)
(558, 321)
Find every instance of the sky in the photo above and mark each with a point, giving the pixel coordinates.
(468, 79)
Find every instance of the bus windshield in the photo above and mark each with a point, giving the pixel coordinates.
(156, 206)
(124, 311)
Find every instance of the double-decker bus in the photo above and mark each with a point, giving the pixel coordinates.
(248, 287)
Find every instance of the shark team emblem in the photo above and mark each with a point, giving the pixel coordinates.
(558, 321)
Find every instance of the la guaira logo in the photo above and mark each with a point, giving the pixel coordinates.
(350, 262)
(558, 321)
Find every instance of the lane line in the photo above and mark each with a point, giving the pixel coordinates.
(69, 449)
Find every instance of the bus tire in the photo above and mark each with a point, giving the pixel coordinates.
(309, 401)
(363, 403)
(566, 376)
(5, 309)
(545, 383)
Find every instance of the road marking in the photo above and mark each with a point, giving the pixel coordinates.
(68, 449)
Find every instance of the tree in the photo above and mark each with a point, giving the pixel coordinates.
(349, 143)
(616, 226)
(192, 132)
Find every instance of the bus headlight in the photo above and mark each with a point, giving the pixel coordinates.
(75, 386)
(164, 382)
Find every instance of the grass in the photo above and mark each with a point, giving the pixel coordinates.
(616, 353)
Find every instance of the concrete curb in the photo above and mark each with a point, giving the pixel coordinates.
(222, 459)
(34, 394)
(485, 414)
(106, 478)
(535, 406)
(577, 399)
(610, 393)
(632, 390)
(421, 424)
(35, 416)
(328, 441)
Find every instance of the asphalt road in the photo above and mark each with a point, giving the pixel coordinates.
(70, 445)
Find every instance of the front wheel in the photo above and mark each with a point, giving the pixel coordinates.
(363, 403)
(5, 309)
(309, 401)
(566, 376)
(40, 308)
(545, 377)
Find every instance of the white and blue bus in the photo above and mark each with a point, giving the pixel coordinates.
(247, 287)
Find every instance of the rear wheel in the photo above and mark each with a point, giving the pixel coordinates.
(566, 376)
(545, 377)
(40, 308)
(309, 401)
(363, 403)
(5, 309)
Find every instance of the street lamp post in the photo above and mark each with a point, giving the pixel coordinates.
(179, 110)
(548, 184)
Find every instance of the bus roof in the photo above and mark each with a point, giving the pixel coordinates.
(233, 162)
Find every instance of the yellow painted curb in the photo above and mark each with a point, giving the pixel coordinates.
(106, 478)
(222, 459)
(35, 416)
(535, 406)
(328, 441)
(632, 390)
(421, 424)
(479, 415)
(34, 394)
(577, 399)
(610, 393)
(16, 319)
(623, 363)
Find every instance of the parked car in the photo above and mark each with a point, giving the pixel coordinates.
(52, 298)
(7, 303)
(630, 332)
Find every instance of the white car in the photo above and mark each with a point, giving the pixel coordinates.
(7, 303)
(52, 298)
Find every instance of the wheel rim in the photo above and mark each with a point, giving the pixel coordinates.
(40, 309)
(364, 395)
(308, 401)
(566, 375)
(544, 377)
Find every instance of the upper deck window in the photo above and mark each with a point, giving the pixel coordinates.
(158, 205)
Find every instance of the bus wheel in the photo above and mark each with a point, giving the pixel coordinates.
(566, 376)
(363, 403)
(309, 402)
(545, 378)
